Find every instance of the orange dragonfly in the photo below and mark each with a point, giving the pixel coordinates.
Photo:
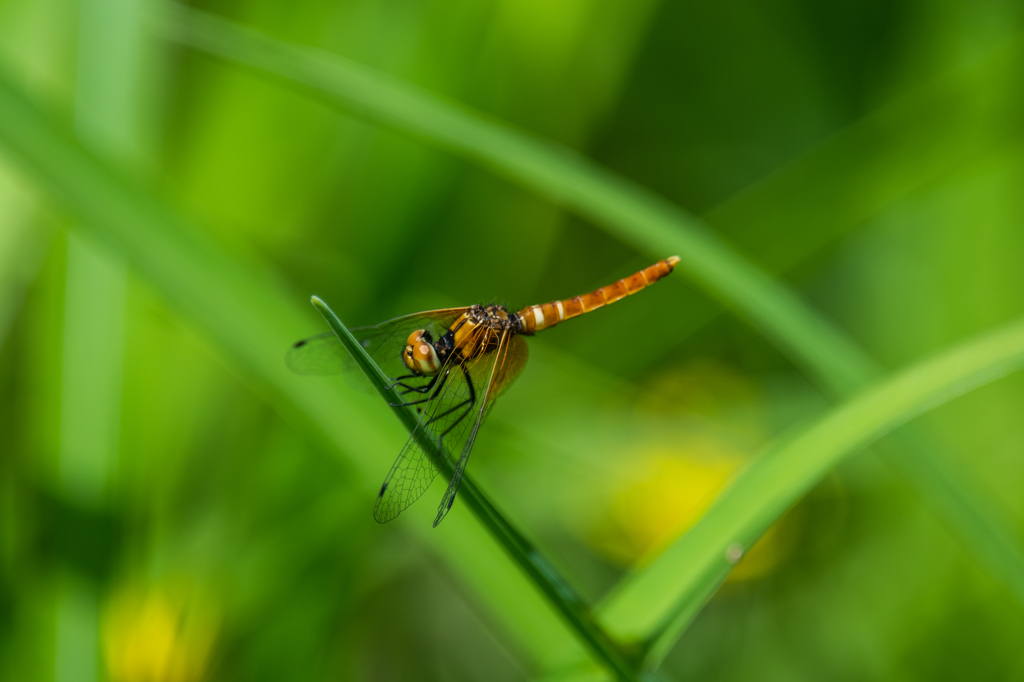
(452, 364)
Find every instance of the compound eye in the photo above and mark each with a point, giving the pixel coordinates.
(424, 357)
(414, 338)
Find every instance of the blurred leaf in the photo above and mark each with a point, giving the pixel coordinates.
(657, 602)
(23, 242)
(899, 148)
(630, 212)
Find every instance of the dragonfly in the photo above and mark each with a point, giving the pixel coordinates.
(451, 365)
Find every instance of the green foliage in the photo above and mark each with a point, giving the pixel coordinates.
(177, 505)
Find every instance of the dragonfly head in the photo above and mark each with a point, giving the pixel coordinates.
(419, 354)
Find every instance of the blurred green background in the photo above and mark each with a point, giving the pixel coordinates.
(164, 517)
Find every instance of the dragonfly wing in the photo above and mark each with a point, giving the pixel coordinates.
(324, 354)
(446, 416)
(493, 368)
(511, 366)
(320, 354)
(410, 476)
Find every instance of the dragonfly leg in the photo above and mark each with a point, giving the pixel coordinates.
(420, 389)
(425, 388)
(433, 382)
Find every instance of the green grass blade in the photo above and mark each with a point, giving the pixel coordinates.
(634, 215)
(253, 319)
(23, 243)
(556, 172)
(561, 595)
(660, 600)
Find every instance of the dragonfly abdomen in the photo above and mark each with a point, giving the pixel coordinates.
(538, 317)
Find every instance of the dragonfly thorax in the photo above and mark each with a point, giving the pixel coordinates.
(479, 330)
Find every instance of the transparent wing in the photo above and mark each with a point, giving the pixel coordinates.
(324, 354)
(510, 368)
(447, 412)
(320, 354)
(496, 374)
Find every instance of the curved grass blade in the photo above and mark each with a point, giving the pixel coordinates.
(253, 319)
(561, 595)
(626, 209)
(635, 215)
(656, 603)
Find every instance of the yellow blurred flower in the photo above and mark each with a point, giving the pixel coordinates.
(666, 492)
(150, 637)
(664, 495)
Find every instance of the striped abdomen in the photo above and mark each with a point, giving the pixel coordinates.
(538, 317)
